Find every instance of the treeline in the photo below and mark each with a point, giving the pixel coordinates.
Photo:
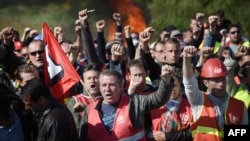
(157, 13)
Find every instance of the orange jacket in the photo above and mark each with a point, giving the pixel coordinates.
(122, 127)
(206, 128)
(184, 116)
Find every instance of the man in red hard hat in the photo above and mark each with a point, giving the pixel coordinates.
(212, 109)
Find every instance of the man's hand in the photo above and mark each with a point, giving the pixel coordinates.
(223, 32)
(213, 20)
(60, 38)
(150, 30)
(144, 38)
(100, 25)
(167, 71)
(72, 48)
(196, 30)
(146, 34)
(83, 16)
(78, 107)
(200, 19)
(8, 33)
(58, 30)
(199, 15)
(189, 51)
(78, 30)
(8, 36)
(127, 31)
(27, 30)
(135, 81)
(117, 49)
(241, 51)
(77, 22)
(117, 17)
(207, 51)
(33, 33)
(159, 136)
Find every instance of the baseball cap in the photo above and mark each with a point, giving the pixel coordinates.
(109, 44)
(175, 33)
(38, 37)
(18, 45)
(170, 28)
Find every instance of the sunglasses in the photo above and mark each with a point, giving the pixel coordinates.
(36, 52)
(233, 32)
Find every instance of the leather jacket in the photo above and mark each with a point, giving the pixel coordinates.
(56, 123)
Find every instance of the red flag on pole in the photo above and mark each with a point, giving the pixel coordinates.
(60, 75)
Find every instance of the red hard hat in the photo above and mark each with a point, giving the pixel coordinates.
(213, 68)
(18, 45)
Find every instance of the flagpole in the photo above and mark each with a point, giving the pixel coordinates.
(92, 98)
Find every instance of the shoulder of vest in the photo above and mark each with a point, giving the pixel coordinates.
(236, 101)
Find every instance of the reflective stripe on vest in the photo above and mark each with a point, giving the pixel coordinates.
(203, 129)
(208, 130)
(206, 127)
(135, 137)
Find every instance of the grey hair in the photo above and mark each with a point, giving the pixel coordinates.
(116, 74)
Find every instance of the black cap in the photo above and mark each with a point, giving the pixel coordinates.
(170, 28)
(109, 44)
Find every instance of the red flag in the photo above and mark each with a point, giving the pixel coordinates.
(60, 75)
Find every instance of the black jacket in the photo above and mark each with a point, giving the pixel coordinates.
(56, 124)
(9, 59)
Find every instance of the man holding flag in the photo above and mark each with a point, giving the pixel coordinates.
(59, 73)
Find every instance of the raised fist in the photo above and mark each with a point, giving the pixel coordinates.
(8, 33)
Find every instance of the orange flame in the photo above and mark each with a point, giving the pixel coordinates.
(128, 9)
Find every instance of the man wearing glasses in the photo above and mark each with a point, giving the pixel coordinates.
(36, 50)
(234, 35)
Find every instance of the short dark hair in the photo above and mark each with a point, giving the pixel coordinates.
(91, 66)
(220, 13)
(35, 88)
(233, 25)
(138, 63)
(25, 68)
(173, 41)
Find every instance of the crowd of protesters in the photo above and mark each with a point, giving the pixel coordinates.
(184, 86)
